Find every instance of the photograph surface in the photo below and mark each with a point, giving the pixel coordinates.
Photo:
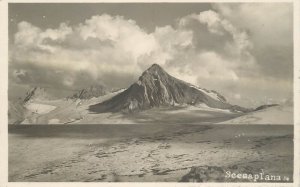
(150, 92)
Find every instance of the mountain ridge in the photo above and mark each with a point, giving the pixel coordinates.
(90, 92)
(36, 93)
(156, 88)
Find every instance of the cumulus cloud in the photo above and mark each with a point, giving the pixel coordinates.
(213, 49)
(30, 36)
(125, 34)
(109, 45)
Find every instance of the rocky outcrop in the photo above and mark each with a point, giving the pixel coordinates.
(265, 106)
(88, 93)
(220, 174)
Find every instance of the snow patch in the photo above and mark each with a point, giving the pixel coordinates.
(54, 121)
(203, 106)
(199, 107)
(39, 108)
(209, 93)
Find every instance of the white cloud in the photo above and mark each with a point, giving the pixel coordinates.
(209, 17)
(125, 34)
(170, 42)
(27, 34)
(109, 46)
(57, 34)
(30, 36)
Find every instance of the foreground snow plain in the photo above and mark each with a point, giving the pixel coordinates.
(146, 153)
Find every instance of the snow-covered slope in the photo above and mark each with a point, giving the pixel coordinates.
(211, 93)
(281, 115)
(39, 108)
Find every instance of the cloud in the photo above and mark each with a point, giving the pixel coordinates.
(108, 46)
(103, 46)
(209, 18)
(125, 34)
(30, 36)
(170, 43)
(221, 49)
(274, 26)
(270, 26)
(218, 25)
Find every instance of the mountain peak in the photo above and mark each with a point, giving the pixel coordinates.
(156, 88)
(155, 67)
(153, 71)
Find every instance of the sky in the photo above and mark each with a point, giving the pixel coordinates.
(242, 50)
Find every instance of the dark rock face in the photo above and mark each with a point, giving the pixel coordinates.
(204, 174)
(265, 106)
(88, 93)
(155, 88)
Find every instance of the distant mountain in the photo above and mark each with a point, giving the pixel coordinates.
(155, 88)
(37, 93)
(17, 108)
(88, 93)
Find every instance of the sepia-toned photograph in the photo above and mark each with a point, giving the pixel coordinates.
(151, 92)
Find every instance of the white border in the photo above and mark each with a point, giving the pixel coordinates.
(3, 92)
(296, 92)
(4, 101)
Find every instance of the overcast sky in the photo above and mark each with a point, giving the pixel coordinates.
(244, 51)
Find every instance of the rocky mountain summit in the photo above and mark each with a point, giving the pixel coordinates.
(156, 88)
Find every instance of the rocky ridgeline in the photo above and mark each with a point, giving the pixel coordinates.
(37, 93)
(88, 93)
